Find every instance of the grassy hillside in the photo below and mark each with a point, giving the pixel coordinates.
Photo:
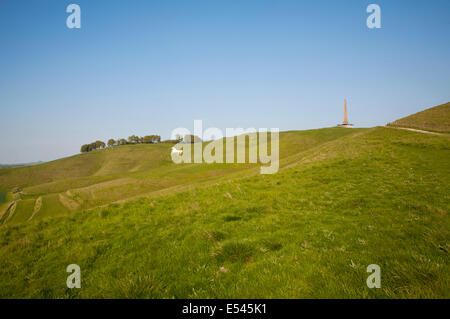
(436, 119)
(96, 163)
(2, 197)
(116, 174)
(342, 202)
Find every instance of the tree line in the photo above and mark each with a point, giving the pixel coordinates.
(133, 139)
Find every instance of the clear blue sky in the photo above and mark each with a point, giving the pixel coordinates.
(146, 67)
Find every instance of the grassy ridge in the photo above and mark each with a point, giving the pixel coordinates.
(435, 119)
(105, 176)
(96, 163)
(375, 196)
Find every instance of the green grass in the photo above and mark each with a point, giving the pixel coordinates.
(2, 197)
(23, 211)
(96, 163)
(435, 119)
(375, 196)
(121, 173)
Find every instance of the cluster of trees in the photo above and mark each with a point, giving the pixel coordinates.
(93, 146)
(187, 139)
(133, 139)
(191, 139)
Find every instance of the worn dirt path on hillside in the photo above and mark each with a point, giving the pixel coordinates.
(420, 131)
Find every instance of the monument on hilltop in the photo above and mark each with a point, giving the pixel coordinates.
(345, 121)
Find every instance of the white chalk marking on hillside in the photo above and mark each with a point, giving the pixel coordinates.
(37, 207)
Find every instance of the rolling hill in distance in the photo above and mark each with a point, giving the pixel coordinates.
(115, 174)
(141, 226)
(435, 119)
(20, 164)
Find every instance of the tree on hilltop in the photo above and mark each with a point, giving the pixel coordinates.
(133, 139)
(111, 142)
(99, 144)
(188, 138)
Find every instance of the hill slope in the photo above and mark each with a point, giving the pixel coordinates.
(116, 174)
(375, 196)
(436, 119)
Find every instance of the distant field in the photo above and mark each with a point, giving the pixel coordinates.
(18, 165)
(436, 119)
(372, 196)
